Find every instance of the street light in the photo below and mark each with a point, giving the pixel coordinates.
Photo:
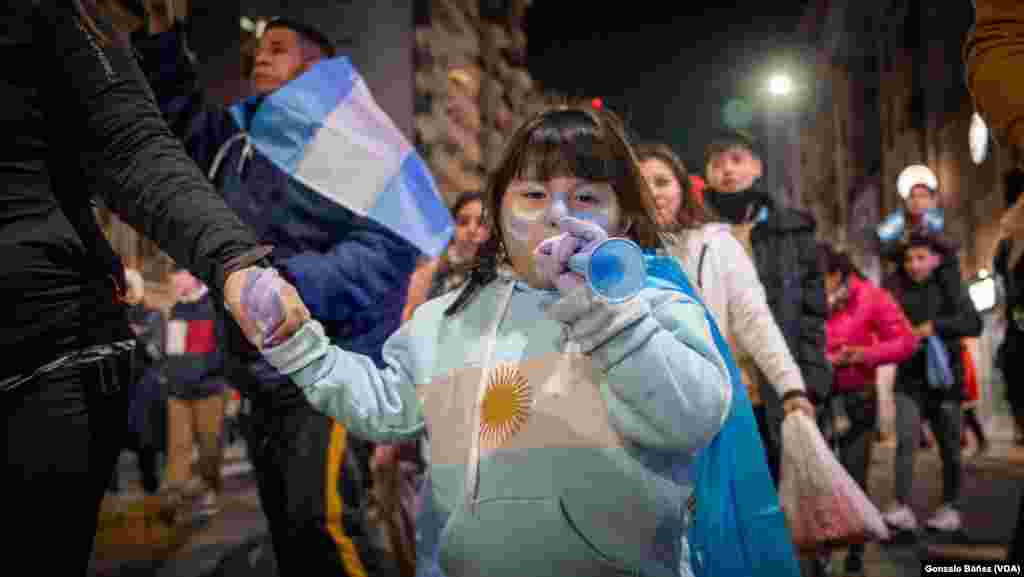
(780, 85)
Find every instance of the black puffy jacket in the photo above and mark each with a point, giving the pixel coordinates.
(786, 255)
(944, 301)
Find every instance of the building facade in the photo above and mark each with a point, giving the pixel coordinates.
(890, 92)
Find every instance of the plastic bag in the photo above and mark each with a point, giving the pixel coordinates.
(824, 506)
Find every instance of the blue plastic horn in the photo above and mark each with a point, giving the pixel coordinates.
(615, 270)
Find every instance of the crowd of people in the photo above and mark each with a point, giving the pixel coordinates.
(482, 412)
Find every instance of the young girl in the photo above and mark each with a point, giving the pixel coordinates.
(557, 420)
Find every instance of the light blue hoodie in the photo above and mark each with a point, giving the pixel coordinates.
(581, 464)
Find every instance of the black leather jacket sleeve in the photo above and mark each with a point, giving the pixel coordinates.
(95, 90)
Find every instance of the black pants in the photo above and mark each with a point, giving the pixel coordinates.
(972, 422)
(945, 417)
(772, 448)
(855, 443)
(313, 493)
(63, 432)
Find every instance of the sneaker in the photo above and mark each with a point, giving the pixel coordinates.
(946, 520)
(901, 517)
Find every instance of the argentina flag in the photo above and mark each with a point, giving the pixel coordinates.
(325, 130)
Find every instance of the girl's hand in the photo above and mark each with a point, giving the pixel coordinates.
(267, 307)
(578, 238)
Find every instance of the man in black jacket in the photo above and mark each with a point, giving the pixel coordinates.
(936, 308)
(782, 243)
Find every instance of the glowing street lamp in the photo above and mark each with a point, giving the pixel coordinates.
(780, 85)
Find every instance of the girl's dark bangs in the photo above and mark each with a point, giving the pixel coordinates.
(568, 145)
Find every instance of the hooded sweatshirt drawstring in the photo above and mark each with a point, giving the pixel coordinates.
(224, 148)
(245, 156)
(473, 467)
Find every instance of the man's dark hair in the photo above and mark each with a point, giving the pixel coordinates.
(466, 198)
(931, 240)
(730, 139)
(306, 32)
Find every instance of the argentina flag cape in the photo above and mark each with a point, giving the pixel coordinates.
(325, 130)
(738, 528)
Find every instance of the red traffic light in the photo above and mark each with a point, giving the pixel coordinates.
(597, 103)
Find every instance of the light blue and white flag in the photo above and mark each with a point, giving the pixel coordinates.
(326, 131)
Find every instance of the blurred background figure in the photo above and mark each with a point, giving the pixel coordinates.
(195, 404)
(944, 313)
(436, 277)
(147, 402)
(866, 328)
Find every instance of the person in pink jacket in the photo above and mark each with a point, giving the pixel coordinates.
(866, 328)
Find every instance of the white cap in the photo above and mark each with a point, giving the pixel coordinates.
(914, 175)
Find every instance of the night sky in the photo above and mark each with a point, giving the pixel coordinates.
(669, 68)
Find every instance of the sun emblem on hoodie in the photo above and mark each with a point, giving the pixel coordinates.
(506, 405)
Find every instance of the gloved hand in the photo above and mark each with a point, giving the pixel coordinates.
(578, 240)
(266, 306)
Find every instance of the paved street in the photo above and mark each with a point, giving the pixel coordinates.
(132, 541)
(991, 489)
